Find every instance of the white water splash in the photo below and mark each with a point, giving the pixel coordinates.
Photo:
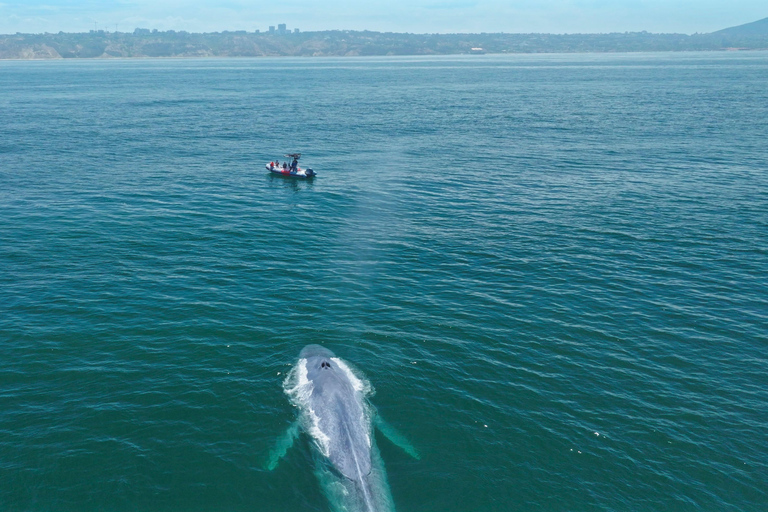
(359, 384)
(299, 389)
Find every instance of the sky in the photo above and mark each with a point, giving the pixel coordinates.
(415, 16)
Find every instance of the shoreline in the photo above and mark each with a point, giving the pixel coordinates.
(171, 44)
(255, 57)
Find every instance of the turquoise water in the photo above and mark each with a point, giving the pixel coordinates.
(552, 270)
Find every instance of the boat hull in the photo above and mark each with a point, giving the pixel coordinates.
(302, 174)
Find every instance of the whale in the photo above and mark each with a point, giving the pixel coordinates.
(336, 416)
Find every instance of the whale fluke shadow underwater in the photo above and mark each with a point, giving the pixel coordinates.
(335, 413)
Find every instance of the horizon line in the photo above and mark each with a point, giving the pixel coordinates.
(289, 33)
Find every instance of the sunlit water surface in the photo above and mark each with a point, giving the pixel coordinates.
(552, 270)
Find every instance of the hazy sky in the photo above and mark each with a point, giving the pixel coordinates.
(417, 16)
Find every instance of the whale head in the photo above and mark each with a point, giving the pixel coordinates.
(315, 351)
(323, 369)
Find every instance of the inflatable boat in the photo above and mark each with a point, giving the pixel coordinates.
(291, 171)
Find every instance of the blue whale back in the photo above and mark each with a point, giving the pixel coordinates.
(343, 420)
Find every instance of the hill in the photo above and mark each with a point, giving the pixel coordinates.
(146, 43)
(756, 28)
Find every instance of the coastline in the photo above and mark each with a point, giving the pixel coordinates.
(144, 44)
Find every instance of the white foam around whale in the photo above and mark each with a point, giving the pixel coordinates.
(299, 389)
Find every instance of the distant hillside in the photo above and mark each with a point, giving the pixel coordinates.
(143, 43)
(756, 28)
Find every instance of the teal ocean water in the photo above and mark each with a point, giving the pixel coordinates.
(551, 269)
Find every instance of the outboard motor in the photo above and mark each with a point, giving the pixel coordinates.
(310, 172)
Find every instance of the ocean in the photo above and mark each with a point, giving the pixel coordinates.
(550, 269)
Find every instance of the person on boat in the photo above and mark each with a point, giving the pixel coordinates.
(271, 165)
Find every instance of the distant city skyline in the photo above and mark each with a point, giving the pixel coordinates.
(416, 16)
